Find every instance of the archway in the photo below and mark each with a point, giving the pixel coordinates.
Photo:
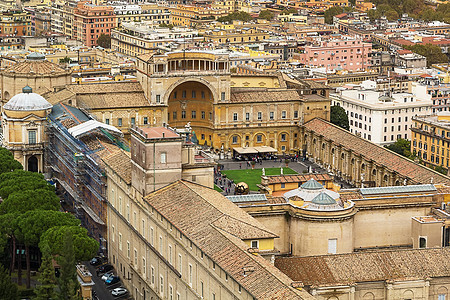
(6, 96)
(192, 102)
(33, 164)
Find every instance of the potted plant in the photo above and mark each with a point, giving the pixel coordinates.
(286, 161)
(253, 163)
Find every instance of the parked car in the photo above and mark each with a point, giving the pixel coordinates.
(105, 268)
(107, 275)
(96, 261)
(120, 291)
(112, 280)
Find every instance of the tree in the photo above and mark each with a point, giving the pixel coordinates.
(339, 117)
(33, 224)
(104, 41)
(85, 247)
(47, 280)
(392, 15)
(23, 201)
(65, 60)
(67, 282)
(7, 288)
(7, 161)
(266, 14)
(401, 146)
(433, 53)
(331, 12)
(20, 180)
(237, 15)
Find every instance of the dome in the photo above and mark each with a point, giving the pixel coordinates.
(312, 184)
(323, 199)
(27, 101)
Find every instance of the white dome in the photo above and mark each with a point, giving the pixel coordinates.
(27, 101)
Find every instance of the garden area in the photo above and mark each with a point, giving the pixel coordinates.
(253, 176)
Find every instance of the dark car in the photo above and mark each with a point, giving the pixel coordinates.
(105, 268)
(96, 261)
(112, 280)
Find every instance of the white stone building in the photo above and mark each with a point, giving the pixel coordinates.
(378, 116)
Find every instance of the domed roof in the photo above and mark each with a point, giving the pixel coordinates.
(27, 101)
(35, 64)
(323, 199)
(312, 184)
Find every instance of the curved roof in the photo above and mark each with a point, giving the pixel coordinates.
(323, 199)
(90, 125)
(27, 101)
(36, 64)
(36, 56)
(312, 184)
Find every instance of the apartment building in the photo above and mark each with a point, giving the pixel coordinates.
(431, 138)
(245, 35)
(185, 15)
(350, 54)
(378, 117)
(91, 21)
(15, 23)
(143, 12)
(439, 92)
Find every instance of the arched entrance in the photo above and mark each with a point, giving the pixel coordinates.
(33, 164)
(192, 102)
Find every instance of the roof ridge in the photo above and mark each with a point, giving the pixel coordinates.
(241, 221)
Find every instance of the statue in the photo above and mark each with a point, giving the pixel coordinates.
(405, 181)
(281, 170)
(263, 172)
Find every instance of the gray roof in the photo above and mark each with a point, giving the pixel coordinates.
(247, 198)
(36, 56)
(323, 199)
(312, 184)
(27, 101)
(398, 189)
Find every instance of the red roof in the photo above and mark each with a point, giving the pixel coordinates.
(404, 51)
(341, 15)
(158, 132)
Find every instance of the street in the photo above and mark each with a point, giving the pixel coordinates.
(104, 291)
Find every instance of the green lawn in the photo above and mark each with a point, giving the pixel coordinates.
(218, 189)
(253, 177)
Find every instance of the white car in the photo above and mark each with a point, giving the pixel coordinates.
(119, 291)
(106, 275)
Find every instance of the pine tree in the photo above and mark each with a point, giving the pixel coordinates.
(67, 282)
(46, 289)
(7, 288)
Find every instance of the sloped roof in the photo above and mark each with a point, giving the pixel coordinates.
(296, 178)
(350, 268)
(312, 184)
(90, 125)
(417, 173)
(38, 67)
(323, 199)
(119, 161)
(202, 214)
(272, 95)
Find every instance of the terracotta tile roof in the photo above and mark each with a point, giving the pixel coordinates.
(264, 95)
(200, 214)
(276, 200)
(417, 173)
(37, 67)
(367, 266)
(297, 178)
(242, 230)
(119, 161)
(350, 194)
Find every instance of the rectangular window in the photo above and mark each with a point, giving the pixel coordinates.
(144, 267)
(259, 115)
(152, 236)
(152, 274)
(180, 263)
(170, 292)
(259, 138)
(271, 115)
(283, 137)
(161, 284)
(203, 115)
(283, 114)
(183, 94)
(222, 96)
(135, 257)
(255, 244)
(133, 121)
(158, 98)
(120, 241)
(113, 229)
(247, 116)
(119, 122)
(32, 137)
(193, 114)
(441, 297)
(332, 246)
(160, 244)
(170, 254)
(107, 121)
(128, 249)
(183, 114)
(163, 157)
(235, 116)
(145, 120)
(295, 114)
(194, 94)
(202, 292)
(191, 274)
(203, 95)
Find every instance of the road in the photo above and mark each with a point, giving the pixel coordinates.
(104, 291)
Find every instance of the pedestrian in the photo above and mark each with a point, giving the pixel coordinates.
(240, 165)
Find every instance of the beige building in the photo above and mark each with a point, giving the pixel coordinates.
(391, 275)
(175, 239)
(36, 72)
(23, 126)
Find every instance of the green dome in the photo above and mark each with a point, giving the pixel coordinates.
(312, 184)
(323, 199)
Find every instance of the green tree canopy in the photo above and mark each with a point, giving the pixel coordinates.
(7, 288)
(20, 180)
(401, 146)
(47, 280)
(266, 14)
(85, 247)
(67, 282)
(7, 161)
(104, 40)
(237, 15)
(339, 117)
(22, 201)
(331, 12)
(433, 53)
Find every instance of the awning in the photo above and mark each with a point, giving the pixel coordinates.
(246, 150)
(265, 149)
(90, 125)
